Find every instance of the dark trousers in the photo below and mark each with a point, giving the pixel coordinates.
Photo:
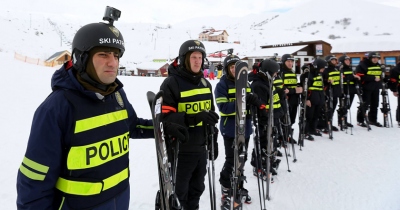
(347, 107)
(312, 115)
(398, 110)
(190, 179)
(226, 172)
(293, 104)
(371, 100)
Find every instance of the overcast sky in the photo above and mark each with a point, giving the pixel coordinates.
(160, 11)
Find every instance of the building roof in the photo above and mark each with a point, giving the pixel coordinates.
(56, 55)
(150, 65)
(366, 44)
(271, 51)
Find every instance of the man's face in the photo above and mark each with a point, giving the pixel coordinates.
(232, 70)
(334, 61)
(106, 66)
(196, 59)
(347, 62)
(375, 60)
(289, 64)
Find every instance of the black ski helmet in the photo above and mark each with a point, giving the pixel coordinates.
(373, 55)
(269, 66)
(94, 35)
(329, 58)
(229, 60)
(319, 63)
(191, 46)
(342, 58)
(286, 57)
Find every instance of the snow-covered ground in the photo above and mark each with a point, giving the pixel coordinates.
(355, 172)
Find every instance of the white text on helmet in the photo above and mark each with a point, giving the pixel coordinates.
(109, 40)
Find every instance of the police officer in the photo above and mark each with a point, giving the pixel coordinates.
(315, 96)
(349, 80)
(370, 72)
(225, 99)
(289, 79)
(394, 86)
(77, 155)
(331, 77)
(188, 101)
(260, 86)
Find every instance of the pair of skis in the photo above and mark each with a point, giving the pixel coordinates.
(385, 104)
(166, 198)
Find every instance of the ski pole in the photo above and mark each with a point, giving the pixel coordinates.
(287, 159)
(210, 180)
(212, 164)
(257, 153)
(349, 104)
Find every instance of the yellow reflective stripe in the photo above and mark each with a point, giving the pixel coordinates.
(233, 90)
(112, 181)
(194, 92)
(227, 115)
(101, 120)
(290, 81)
(62, 203)
(315, 88)
(34, 165)
(374, 73)
(145, 127)
(194, 107)
(30, 174)
(91, 188)
(221, 100)
(348, 72)
(92, 155)
(275, 106)
(78, 188)
(231, 114)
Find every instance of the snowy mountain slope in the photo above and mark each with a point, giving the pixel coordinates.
(358, 171)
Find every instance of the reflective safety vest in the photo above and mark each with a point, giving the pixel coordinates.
(290, 80)
(276, 100)
(278, 82)
(97, 161)
(335, 76)
(317, 84)
(374, 71)
(231, 98)
(348, 73)
(194, 99)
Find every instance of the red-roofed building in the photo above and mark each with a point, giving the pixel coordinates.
(213, 35)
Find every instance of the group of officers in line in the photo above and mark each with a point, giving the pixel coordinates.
(77, 155)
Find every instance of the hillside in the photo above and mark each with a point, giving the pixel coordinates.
(345, 24)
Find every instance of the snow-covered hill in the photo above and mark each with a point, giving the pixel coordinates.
(354, 22)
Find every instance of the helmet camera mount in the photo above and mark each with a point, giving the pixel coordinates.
(111, 14)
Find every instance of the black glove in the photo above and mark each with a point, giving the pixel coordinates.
(207, 117)
(210, 138)
(252, 98)
(176, 131)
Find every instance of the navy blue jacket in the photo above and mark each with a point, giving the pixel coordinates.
(50, 138)
(226, 106)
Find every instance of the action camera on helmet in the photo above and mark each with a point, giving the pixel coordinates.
(111, 14)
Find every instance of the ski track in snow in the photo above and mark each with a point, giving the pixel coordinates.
(355, 172)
